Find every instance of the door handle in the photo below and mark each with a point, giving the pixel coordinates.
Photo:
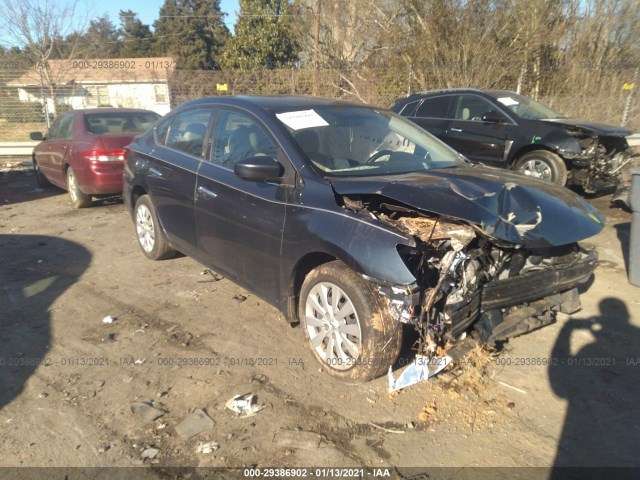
(458, 130)
(205, 191)
(155, 171)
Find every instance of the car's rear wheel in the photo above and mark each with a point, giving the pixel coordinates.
(79, 199)
(150, 236)
(348, 327)
(543, 165)
(41, 180)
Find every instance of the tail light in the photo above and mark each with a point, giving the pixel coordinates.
(102, 155)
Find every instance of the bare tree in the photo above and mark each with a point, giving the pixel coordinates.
(38, 27)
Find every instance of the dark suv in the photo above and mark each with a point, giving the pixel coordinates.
(505, 129)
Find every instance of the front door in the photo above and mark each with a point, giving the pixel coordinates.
(240, 223)
(53, 153)
(475, 138)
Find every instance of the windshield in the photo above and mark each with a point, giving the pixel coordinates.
(363, 141)
(120, 122)
(525, 107)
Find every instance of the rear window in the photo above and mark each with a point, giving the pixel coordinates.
(121, 122)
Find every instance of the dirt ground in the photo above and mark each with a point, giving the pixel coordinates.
(182, 340)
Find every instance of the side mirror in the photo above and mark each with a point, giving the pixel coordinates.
(258, 169)
(492, 117)
(36, 136)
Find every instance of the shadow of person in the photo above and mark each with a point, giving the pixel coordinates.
(35, 270)
(601, 382)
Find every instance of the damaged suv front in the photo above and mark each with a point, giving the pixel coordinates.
(488, 252)
(595, 153)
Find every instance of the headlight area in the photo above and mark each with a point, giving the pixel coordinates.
(599, 160)
(467, 283)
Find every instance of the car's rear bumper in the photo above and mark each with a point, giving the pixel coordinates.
(101, 178)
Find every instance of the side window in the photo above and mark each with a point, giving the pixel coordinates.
(66, 127)
(52, 134)
(437, 107)
(161, 129)
(188, 131)
(472, 107)
(408, 109)
(239, 136)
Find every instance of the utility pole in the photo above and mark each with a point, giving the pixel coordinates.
(316, 46)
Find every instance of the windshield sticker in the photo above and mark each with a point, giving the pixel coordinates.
(302, 119)
(508, 101)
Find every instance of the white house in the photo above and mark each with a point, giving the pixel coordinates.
(114, 82)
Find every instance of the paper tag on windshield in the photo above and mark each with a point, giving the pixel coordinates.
(302, 119)
(508, 101)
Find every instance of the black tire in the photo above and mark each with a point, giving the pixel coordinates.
(148, 232)
(538, 162)
(377, 328)
(41, 180)
(78, 198)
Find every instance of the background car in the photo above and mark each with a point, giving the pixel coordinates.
(353, 221)
(502, 128)
(83, 150)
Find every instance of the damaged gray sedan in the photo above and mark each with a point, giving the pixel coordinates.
(354, 221)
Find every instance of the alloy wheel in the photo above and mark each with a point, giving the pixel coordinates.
(537, 169)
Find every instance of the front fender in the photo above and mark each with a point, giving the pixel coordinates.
(365, 245)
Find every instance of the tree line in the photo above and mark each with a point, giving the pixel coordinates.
(536, 45)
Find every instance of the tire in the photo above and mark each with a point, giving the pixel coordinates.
(357, 355)
(543, 165)
(79, 199)
(41, 180)
(150, 236)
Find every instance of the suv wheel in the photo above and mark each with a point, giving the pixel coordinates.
(150, 236)
(350, 331)
(543, 165)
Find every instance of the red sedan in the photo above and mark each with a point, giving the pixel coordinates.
(83, 151)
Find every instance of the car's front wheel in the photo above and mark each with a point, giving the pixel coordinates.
(150, 236)
(79, 199)
(347, 325)
(543, 165)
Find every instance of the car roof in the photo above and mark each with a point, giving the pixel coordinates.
(272, 102)
(89, 111)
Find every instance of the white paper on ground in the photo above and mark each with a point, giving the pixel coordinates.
(419, 370)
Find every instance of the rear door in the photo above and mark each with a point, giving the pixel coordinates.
(171, 175)
(432, 114)
(239, 222)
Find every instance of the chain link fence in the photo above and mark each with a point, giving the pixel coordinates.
(18, 117)
(22, 112)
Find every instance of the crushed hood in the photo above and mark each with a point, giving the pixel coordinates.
(597, 128)
(504, 205)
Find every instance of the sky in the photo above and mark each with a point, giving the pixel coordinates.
(147, 10)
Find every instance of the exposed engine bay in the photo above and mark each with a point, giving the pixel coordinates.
(468, 282)
(600, 162)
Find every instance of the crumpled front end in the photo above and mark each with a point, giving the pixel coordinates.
(598, 161)
(467, 281)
